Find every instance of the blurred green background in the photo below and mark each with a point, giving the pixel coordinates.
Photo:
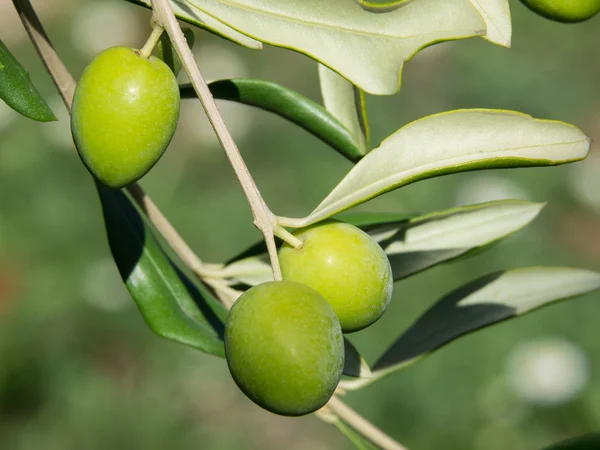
(80, 370)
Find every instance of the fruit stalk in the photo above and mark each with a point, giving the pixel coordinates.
(264, 219)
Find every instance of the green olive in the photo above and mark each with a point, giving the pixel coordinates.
(346, 266)
(284, 347)
(564, 10)
(125, 112)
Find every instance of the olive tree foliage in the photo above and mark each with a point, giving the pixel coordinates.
(360, 52)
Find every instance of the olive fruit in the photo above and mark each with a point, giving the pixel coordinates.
(284, 347)
(124, 114)
(564, 10)
(346, 266)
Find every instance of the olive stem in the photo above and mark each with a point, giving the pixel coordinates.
(362, 425)
(264, 219)
(288, 237)
(157, 32)
(65, 85)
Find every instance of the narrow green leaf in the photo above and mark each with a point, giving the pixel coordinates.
(195, 17)
(360, 442)
(167, 53)
(483, 302)
(368, 49)
(17, 90)
(496, 14)
(586, 442)
(416, 243)
(354, 364)
(452, 142)
(171, 306)
(288, 104)
(346, 103)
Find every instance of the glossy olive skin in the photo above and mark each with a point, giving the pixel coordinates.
(284, 347)
(346, 266)
(125, 112)
(564, 10)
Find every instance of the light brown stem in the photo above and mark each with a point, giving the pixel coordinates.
(362, 425)
(66, 87)
(264, 219)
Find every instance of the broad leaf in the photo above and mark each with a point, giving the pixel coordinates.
(200, 19)
(496, 14)
(167, 53)
(367, 48)
(488, 300)
(171, 306)
(288, 104)
(17, 90)
(416, 243)
(346, 103)
(452, 142)
(586, 442)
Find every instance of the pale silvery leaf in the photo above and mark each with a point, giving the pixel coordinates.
(496, 14)
(413, 245)
(423, 242)
(200, 19)
(346, 103)
(451, 142)
(483, 302)
(367, 48)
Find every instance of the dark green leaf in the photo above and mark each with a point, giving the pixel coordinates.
(484, 302)
(167, 53)
(354, 364)
(17, 90)
(173, 307)
(288, 104)
(586, 442)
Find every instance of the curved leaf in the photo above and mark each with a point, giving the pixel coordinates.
(170, 305)
(366, 48)
(17, 90)
(416, 243)
(195, 17)
(586, 442)
(496, 14)
(354, 364)
(288, 104)
(167, 53)
(452, 142)
(346, 103)
(423, 242)
(483, 302)
(359, 441)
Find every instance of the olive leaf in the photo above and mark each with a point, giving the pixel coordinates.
(451, 142)
(288, 104)
(483, 302)
(346, 103)
(359, 441)
(167, 53)
(415, 243)
(354, 364)
(195, 17)
(367, 48)
(17, 90)
(585, 442)
(496, 14)
(171, 304)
